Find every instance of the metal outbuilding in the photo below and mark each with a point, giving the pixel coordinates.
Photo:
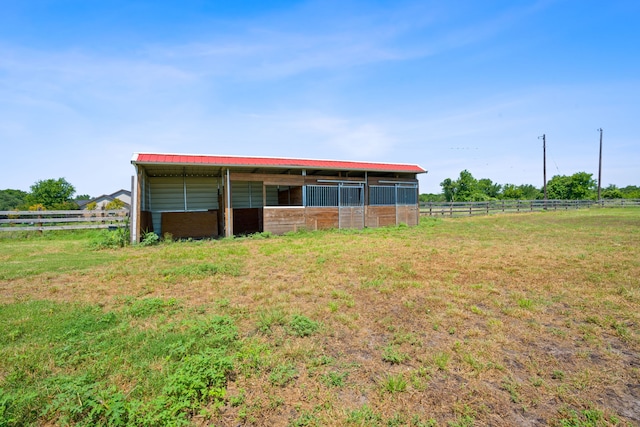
(203, 196)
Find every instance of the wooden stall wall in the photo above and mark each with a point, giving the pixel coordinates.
(409, 215)
(322, 218)
(197, 225)
(283, 220)
(351, 217)
(380, 216)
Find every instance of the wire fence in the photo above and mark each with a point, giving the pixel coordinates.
(456, 209)
(62, 220)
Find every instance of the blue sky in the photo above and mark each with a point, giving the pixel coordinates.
(448, 85)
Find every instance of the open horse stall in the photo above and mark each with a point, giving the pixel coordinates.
(207, 196)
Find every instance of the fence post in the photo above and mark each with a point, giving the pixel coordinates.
(39, 223)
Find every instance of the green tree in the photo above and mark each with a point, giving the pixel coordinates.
(630, 192)
(53, 194)
(489, 188)
(530, 192)
(511, 192)
(467, 186)
(12, 199)
(464, 189)
(520, 192)
(431, 197)
(578, 186)
(558, 187)
(450, 189)
(114, 204)
(611, 192)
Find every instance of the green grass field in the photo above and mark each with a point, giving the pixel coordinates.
(528, 319)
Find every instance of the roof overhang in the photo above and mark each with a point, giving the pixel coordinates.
(269, 163)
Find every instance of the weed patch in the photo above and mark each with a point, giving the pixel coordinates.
(203, 270)
(392, 355)
(302, 326)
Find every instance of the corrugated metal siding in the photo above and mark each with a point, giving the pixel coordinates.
(256, 194)
(240, 195)
(249, 194)
(202, 193)
(166, 194)
(246, 194)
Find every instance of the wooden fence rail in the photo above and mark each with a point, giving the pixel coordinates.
(453, 209)
(57, 220)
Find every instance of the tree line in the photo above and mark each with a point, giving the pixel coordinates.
(57, 194)
(579, 186)
(49, 194)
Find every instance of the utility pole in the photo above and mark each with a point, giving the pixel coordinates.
(544, 166)
(600, 166)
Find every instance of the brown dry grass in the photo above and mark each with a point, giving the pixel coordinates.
(502, 320)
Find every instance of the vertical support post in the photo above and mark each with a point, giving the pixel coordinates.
(304, 188)
(131, 222)
(184, 188)
(339, 206)
(395, 186)
(136, 198)
(600, 167)
(228, 212)
(264, 195)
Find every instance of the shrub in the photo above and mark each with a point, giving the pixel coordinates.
(111, 239)
(149, 238)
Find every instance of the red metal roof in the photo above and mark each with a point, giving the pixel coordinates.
(237, 161)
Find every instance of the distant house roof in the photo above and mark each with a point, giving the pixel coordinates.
(82, 202)
(122, 192)
(238, 161)
(105, 198)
